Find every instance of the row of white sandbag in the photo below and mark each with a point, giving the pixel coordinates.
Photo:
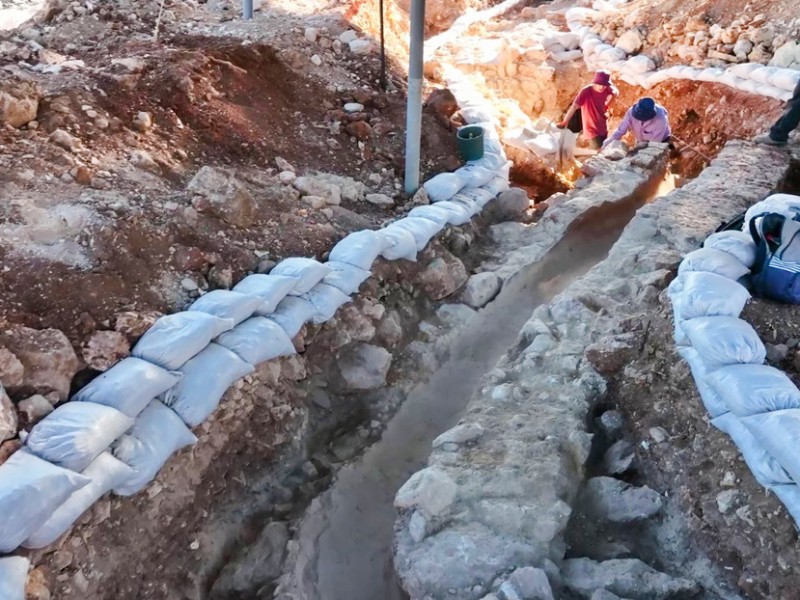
(142, 407)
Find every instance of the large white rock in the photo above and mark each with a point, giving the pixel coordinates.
(630, 42)
(430, 490)
(787, 56)
(364, 367)
(217, 192)
(481, 289)
(361, 47)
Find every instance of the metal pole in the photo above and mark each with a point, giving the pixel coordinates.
(383, 52)
(247, 5)
(414, 107)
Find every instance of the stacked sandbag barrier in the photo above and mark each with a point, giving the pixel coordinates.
(753, 78)
(757, 405)
(115, 434)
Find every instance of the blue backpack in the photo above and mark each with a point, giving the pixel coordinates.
(776, 272)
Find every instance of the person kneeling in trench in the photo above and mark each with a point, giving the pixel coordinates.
(593, 100)
(779, 133)
(647, 120)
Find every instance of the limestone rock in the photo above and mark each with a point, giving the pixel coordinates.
(311, 34)
(527, 583)
(605, 595)
(430, 490)
(611, 354)
(19, 104)
(380, 200)
(360, 47)
(509, 205)
(131, 64)
(626, 577)
(143, 121)
(133, 324)
(460, 434)
(360, 130)
(364, 366)
(8, 417)
(220, 194)
(630, 42)
(11, 370)
(612, 424)
(417, 526)
(36, 586)
(443, 276)
(613, 500)
(258, 564)
(104, 348)
(35, 408)
(48, 358)
(787, 56)
(63, 139)
(455, 315)
(314, 186)
(481, 289)
(619, 458)
(287, 177)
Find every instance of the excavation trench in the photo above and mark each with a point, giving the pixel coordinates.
(344, 542)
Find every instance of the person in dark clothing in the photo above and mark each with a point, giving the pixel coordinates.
(779, 133)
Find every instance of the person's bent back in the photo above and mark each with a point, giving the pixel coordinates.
(647, 120)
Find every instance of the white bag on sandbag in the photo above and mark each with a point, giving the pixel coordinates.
(711, 295)
(75, 433)
(497, 185)
(104, 474)
(174, 339)
(437, 214)
(480, 196)
(722, 341)
(709, 260)
(128, 386)
(738, 244)
(713, 402)
(458, 214)
(711, 75)
(227, 304)
(641, 64)
(744, 70)
(307, 271)
(348, 278)
(292, 313)
(13, 577)
(778, 432)
(257, 340)
(398, 244)
(157, 434)
(31, 489)
(680, 337)
(767, 471)
(359, 249)
(789, 495)
(444, 186)
(763, 74)
(270, 289)
(472, 206)
(784, 204)
(784, 79)
(753, 389)
(475, 176)
(206, 378)
(421, 229)
(326, 300)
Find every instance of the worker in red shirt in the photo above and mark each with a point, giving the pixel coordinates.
(593, 100)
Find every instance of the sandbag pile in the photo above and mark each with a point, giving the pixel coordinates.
(757, 405)
(637, 69)
(116, 433)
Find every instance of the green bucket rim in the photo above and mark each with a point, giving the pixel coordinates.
(470, 129)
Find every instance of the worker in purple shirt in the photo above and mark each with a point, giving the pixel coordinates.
(648, 121)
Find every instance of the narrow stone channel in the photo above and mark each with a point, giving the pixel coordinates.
(344, 541)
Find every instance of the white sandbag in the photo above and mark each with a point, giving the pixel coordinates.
(751, 87)
(641, 64)
(174, 339)
(227, 304)
(744, 70)
(496, 186)
(762, 74)
(711, 75)
(443, 187)
(714, 404)
(475, 113)
(753, 389)
(767, 471)
(31, 489)
(784, 204)
(13, 577)
(770, 91)
(566, 56)
(292, 313)
(738, 244)
(348, 278)
(680, 337)
(104, 474)
(784, 79)
(422, 230)
(458, 214)
(75, 433)
(156, 435)
(711, 295)
(600, 48)
(359, 249)
(326, 300)
(611, 55)
(789, 495)
(433, 213)
(480, 195)
(128, 386)
(542, 145)
(270, 289)
(468, 203)
(709, 260)
(206, 377)
(257, 340)
(778, 432)
(475, 175)
(722, 341)
(398, 244)
(732, 80)
(590, 44)
(689, 73)
(307, 271)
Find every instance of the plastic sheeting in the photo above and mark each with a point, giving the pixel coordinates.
(128, 386)
(75, 433)
(270, 289)
(257, 340)
(206, 377)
